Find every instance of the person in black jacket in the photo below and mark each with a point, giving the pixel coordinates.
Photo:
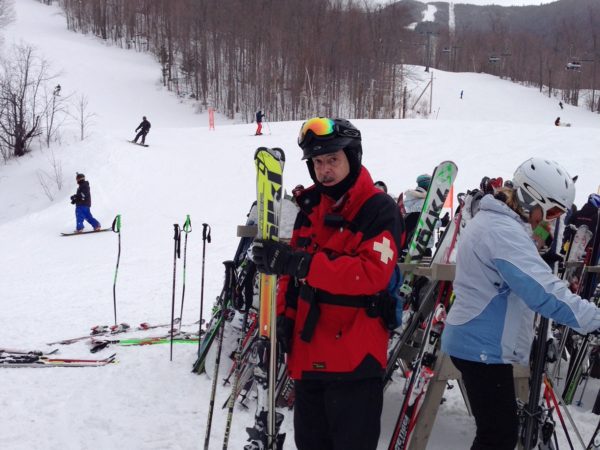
(144, 128)
(83, 202)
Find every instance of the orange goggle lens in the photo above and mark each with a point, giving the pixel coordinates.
(320, 126)
(554, 213)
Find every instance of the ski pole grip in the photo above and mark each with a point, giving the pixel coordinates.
(116, 225)
(206, 232)
(187, 226)
(177, 238)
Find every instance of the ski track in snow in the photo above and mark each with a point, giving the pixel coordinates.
(55, 288)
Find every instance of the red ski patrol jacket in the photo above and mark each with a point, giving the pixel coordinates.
(354, 243)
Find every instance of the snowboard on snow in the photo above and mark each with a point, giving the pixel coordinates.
(137, 143)
(86, 232)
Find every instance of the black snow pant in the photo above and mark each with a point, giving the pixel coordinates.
(143, 136)
(338, 415)
(491, 392)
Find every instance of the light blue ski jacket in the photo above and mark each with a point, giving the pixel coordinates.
(500, 281)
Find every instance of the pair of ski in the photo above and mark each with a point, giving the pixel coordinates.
(538, 426)
(104, 330)
(98, 344)
(431, 311)
(40, 361)
(14, 351)
(590, 289)
(264, 434)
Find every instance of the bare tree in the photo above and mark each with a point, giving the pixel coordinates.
(7, 12)
(52, 180)
(84, 118)
(55, 114)
(22, 80)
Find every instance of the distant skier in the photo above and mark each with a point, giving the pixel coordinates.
(259, 119)
(461, 94)
(144, 128)
(557, 122)
(83, 202)
(561, 105)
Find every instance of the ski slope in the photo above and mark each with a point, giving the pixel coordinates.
(58, 287)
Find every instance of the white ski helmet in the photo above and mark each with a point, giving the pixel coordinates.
(546, 183)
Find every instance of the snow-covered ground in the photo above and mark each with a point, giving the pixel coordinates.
(54, 287)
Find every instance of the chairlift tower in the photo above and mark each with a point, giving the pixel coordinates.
(428, 33)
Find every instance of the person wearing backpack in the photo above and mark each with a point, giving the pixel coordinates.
(334, 309)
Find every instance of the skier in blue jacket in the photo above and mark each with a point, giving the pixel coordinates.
(501, 282)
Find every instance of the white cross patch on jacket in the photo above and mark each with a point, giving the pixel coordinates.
(384, 249)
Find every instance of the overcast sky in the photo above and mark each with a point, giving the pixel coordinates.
(486, 2)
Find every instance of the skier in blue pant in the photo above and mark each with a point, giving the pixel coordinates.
(83, 202)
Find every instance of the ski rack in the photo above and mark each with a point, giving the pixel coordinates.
(247, 231)
(444, 369)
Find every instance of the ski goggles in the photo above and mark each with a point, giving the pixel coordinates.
(551, 209)
(319, 126)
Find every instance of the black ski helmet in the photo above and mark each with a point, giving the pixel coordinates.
(79, 176)
(321, 135)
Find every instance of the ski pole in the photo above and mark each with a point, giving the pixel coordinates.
(116, 227)
(224, 301)
(205, 239)
(580, 401)
(176, 254)
(268, 126)
(187, 228)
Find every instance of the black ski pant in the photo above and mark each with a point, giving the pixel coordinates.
(338, 415)
(491, 392)
(141, 134)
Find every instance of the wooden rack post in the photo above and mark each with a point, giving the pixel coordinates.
(444, 369)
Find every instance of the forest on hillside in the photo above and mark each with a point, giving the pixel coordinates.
(342, 57)
(555, 46)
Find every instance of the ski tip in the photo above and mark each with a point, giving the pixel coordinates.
(259, 150)
(276, 152)
(279, 152)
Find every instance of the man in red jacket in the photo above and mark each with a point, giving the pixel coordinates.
(332, 300)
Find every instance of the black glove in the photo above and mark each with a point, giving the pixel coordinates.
(276, 258)
(551, 258)
(285, 333)
(73, 199)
